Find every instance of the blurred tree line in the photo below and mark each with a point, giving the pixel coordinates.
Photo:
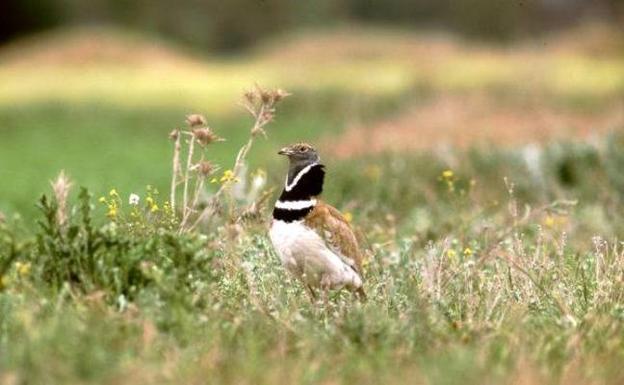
(234, 24)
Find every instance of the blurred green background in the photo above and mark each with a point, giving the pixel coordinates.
(95, 87)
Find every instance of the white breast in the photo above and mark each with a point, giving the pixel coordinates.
(304, 253)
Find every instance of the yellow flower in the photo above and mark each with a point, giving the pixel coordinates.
(228, 176)
(113, 193)
(448, 177)
(348, 216)
(555, 221)
(154, 208)
(112, 212)
(467, 251)
(451, 253)
(102, 200)
(447, 174)
(213, 180)
(23, 269)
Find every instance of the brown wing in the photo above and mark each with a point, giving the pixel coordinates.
(332, 226)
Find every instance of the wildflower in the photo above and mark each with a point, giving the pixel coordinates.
(195, 120)
(134, 199)
(214, 180)
(447, 176)
(151, 204)
(112, 212)
(259, 179)
(23, 269)
(467, 251)
(167, 208)
(555, 221)
(348, 216)
(102, 200)
(113, 193)
(228, 176)
(451, 253)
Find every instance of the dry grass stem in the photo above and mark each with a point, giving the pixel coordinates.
(61, 187)
(175, 136)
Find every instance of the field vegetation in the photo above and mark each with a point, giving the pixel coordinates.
(492, 257)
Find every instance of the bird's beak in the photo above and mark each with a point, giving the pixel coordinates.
(284, 151)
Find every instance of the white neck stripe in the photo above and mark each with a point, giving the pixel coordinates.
(295, 205)
(300, 175)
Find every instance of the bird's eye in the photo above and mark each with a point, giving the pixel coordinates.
(303, 149)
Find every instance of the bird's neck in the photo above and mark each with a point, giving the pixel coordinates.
(303, 184)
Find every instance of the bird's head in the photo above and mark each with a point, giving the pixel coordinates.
(300, 154)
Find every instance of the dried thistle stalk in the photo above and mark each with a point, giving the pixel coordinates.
(260, 103)
(175, 136)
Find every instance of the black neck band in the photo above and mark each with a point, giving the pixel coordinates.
(290, 215)
(309, 185)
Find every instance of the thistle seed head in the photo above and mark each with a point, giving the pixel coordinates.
(205, 136)
(280, 94)
(264, 97)
(205, 168)
(195, 120)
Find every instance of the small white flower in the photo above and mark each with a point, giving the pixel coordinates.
(134, 199)
(259, 180)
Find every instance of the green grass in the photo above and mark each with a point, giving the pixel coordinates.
(467, 282)
(462, 288)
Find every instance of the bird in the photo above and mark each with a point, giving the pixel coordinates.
(313, 240)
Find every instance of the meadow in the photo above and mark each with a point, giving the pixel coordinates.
(493, 251)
